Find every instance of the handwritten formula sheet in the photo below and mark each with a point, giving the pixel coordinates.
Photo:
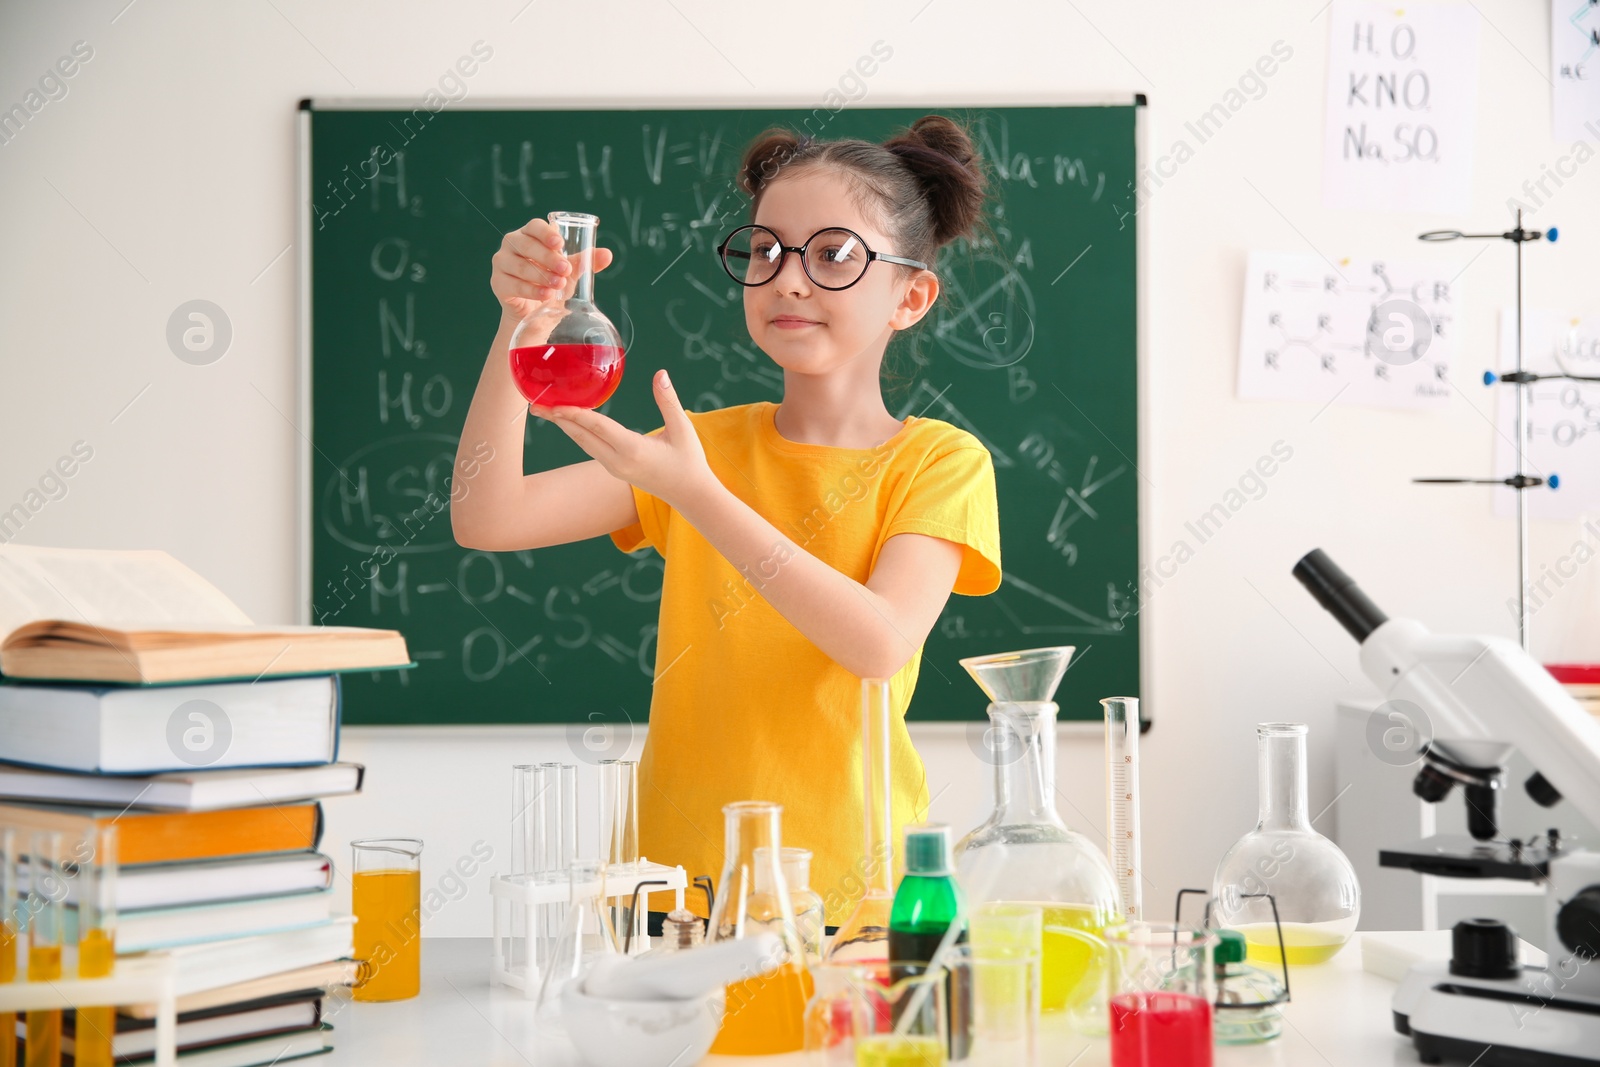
(1401, 107)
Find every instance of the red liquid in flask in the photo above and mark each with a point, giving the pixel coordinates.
(568, 375)
(1160, 1030)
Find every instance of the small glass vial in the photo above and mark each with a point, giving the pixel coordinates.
(681, 929)
(1248, 997)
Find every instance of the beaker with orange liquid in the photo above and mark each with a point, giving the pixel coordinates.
(764, 1012)
(386, 896)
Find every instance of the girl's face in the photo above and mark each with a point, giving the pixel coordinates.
(810, 330)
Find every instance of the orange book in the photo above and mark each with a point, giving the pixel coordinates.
(168, 836)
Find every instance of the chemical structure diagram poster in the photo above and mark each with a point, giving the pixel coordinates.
(1575, 64)
(1562, 429)
(1353, 331)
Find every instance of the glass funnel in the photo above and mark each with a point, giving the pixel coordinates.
(765, 1012)
(1318, 898)
(865, 934)
(566, 352)
(1024, 853)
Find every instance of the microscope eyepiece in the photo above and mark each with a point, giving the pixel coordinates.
(1338, 592)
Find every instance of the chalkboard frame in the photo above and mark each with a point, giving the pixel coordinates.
(305, 487)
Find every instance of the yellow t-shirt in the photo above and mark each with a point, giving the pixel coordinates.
(745, 707)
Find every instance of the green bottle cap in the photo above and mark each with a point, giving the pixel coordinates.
(1230, 947)
(928, 849)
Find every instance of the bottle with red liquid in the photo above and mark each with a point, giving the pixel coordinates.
(567, 353)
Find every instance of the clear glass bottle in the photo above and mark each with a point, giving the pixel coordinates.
(865, 934)
(795, 864)
(566, 352)
(1318, 897)
(764, 1013)
(1024, 853)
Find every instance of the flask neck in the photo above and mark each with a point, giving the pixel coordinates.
(577, 242)
(1281, 776)
(752, 844)
(1024, 752)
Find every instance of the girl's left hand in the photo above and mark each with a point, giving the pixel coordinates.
(670, 465)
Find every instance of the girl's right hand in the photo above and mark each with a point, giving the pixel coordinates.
(530, 269)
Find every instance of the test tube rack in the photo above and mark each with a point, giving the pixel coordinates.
(144, 979)
(526, 893)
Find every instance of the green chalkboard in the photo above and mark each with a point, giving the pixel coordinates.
(1034, 349)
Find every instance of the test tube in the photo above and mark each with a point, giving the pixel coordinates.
(47, 890)
(10, 923)
(619, 812)
(527, 817)
(568, 852)
(97, 946)
(560, 812)
(619, 837)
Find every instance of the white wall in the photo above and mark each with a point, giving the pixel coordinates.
(166, 174)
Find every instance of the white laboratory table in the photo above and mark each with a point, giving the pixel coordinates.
(1339, 1017)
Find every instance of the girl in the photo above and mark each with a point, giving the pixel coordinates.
(808, 544)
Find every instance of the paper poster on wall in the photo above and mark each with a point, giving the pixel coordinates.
(1575, 69)
(1379, 332)
(1401, 107)
(1563, 417)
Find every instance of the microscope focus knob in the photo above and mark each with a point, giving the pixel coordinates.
(1483, 948)
(1578, 923)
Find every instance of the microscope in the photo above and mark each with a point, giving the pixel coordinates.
(1483, 697)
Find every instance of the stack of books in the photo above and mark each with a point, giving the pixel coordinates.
(1582, 680)
(133, 691)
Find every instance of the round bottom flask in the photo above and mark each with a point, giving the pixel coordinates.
(567, 353)
(1318, 898)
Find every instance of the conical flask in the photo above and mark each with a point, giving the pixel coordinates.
(1310, 879)
(865, 934)
(764, 1012)
(1024, 853)
(566, 352)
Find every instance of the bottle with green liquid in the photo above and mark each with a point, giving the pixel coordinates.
(926, 904)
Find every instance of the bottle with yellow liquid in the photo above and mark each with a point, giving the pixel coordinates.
(94, 1027)
(386, 897)
(1306, 875)
(765, 1012)
(1025, 853)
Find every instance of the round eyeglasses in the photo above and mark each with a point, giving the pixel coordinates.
(835, 258)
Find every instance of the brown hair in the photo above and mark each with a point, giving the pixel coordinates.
(925, 184)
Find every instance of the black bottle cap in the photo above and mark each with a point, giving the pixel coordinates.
(1483, 948)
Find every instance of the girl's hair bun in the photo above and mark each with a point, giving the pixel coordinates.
(926, 184)
(941, 155)
(767, 155)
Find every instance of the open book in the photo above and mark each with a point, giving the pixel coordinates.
(92, 615)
